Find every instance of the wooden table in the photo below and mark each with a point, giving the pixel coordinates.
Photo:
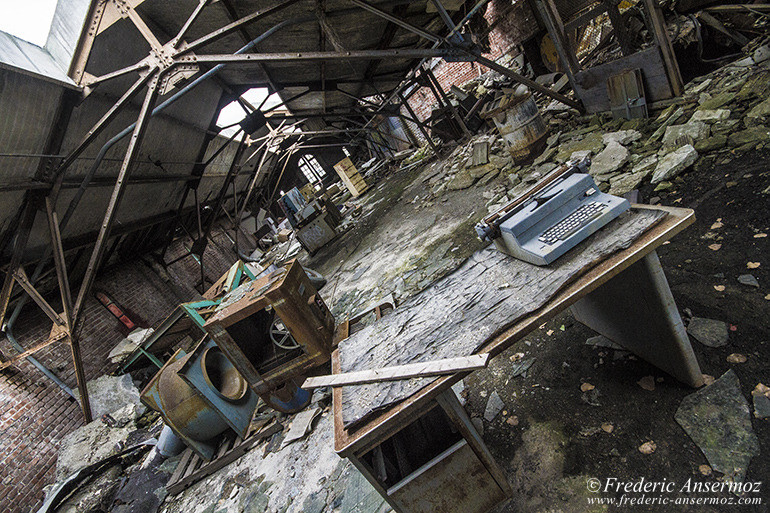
(625, 290)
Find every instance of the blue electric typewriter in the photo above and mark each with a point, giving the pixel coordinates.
(551, 218)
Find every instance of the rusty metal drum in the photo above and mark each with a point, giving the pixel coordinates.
(520, 124)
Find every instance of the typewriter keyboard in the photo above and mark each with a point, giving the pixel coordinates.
(583, 215)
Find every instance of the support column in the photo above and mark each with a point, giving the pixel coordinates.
(445, 98)
(420, 126)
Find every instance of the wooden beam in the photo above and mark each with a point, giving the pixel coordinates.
(664, 43)
(412, 370)
(21, 277)
(34, 349)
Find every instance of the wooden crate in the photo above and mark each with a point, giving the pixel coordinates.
(351, 177)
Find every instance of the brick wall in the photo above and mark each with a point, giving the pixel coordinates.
(35, 414)
(508, 24)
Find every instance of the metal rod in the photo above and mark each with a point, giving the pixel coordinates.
(397, 21)
(119, 73)
(117, 195)
(102, 123)
(194, 16)
(232, 27)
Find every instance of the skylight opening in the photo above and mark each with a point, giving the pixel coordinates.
(234, 112)
(29, 20)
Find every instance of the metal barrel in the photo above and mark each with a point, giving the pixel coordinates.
(522, 127)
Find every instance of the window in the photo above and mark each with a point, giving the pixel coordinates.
(233, 113)
(29, 20)
(311, 168)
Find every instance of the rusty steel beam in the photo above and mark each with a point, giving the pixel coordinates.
(255, 58)
(22, 237)
(397, 21)
(117, 194)
(232, 27)
(21, 278)
(59, 261)
(102, 123)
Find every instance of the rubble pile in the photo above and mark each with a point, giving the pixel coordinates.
(721, 115)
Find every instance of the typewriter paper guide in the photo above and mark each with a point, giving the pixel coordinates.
(479, 309)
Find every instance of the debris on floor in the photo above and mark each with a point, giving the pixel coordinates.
(718, 419)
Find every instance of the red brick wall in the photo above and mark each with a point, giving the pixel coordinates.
(35, 414)
(509, 23)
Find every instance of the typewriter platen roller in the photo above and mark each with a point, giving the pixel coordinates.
(553, 217)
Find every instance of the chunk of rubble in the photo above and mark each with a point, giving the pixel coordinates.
(761, 396)
(494, 406)
(717, 418)
(749, 136)
(674, 163)
(108, 394)
(710, 116)
(758, 114)
(624, 137)
(610, 160)
(695, 130)
(709, 332)
(713, 143)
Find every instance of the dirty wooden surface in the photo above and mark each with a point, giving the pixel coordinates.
(455, 316)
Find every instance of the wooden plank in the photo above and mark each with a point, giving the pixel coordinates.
(412, 370)
(193, 475)
(474, 301)
(364, 437)
(739, 8)
(39, 347)
(660, 34)
(592, 83)
(181, 466)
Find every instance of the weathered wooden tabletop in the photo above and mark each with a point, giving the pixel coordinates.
(486, 305)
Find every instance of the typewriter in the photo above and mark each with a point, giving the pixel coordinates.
(552, 217)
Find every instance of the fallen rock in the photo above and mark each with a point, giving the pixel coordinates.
(709, 116)
(611, 159)
(737, 358)
(591, 142)
(624, 137)
(749, 136)
(648, 447)
(647, 383)
(128, 345)
(494, 406)
(462, 180)
(674, 163)
(483, 170)
(718, 420)
(748, 279)
(713, 143)
(717, 101)
(91, 443)
(625, 183)
(646, 165)
(761, 396)
(709, 332)
(695, 130)
(758, 114)
(108, 394)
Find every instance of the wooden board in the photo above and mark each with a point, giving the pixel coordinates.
(192, 469)
(592, 83)
(412, 370)
(366, 435)
(457, 314)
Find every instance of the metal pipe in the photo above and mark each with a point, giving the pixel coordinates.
(31, 359)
